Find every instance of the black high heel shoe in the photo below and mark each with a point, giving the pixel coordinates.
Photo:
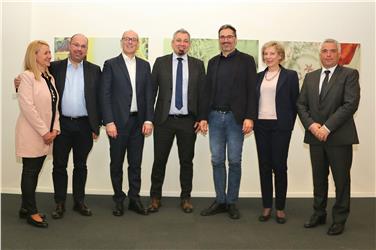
(264, 218)
(280, 220)
(42, 224)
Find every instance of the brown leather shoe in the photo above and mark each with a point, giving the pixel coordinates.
(186, 205)
(155, 204)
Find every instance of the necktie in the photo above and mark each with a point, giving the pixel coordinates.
(179, 85)
(324, 84)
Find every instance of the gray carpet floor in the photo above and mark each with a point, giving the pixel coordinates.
(170, 228)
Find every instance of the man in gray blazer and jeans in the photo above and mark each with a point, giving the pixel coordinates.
(178, 79)
(328, 100)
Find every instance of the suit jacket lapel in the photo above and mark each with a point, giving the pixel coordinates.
(281, 79)
(86, 78)
(190, 83)
(316, 85)
(169, 72)
(123, 67)
(331, 81)
(139, 72)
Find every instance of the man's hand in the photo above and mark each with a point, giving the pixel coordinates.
(247, 126)
(318, 131)
(147, 128)
(203, 127)
(111, 130)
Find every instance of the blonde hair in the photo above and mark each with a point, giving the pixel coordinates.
(278, 47)
(30, 62)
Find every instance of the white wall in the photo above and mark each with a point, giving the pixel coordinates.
(346, 22)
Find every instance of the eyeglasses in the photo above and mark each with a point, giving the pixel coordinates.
(79, 46)
(229, 37)
(129, 39)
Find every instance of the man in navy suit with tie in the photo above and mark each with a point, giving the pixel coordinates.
(326, 105)
(127, 110)
(178, 79)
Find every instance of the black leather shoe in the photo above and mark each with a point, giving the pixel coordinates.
(23, 214)
(315, 220)
(118, 209)
(35, 223)
(336, 229)
(214, 208)
(82, 209)
(136, 206)
(233, 212)
(59, 211)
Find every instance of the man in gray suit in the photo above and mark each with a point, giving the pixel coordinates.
(127, 110)
(178, 79)
(328, 100)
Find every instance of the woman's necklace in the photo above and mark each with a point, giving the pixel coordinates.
(273, 76)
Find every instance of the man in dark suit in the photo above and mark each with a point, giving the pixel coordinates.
(179, 80)
(230, 111)
(127, 109)
(77, 82)
(328, 100)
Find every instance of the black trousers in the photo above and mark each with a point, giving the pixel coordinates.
(129, 141)
(75, 134)
(339, 158)
(164, 135)
(272, 150)
(29, 180)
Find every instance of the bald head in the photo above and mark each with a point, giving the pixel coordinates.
(129, 43)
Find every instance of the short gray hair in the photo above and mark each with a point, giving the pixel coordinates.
(183, 31)
(330, 40)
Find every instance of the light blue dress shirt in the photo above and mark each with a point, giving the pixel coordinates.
(184, 109)
(73, 102)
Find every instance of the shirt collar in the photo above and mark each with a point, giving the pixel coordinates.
(330, 69)
(71, 64)
(127, 59)
(175, 56)
(232, 54)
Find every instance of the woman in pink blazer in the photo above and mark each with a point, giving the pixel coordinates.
(37, 124)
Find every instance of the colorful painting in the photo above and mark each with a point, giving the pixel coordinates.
(303, 57)
(205, 49)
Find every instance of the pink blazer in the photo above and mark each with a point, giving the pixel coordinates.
(35, 116)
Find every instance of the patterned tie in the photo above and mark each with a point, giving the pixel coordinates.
(179, 85)
(324, 84)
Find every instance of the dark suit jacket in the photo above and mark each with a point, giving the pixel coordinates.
(336, 110)
(92, 76)
(243, 94)
(162, 84)
(116, 93)
(287, 93)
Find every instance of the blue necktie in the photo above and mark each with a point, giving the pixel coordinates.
(179, 85)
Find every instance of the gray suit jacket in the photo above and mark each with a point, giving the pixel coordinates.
(162, 85)
(336, 109)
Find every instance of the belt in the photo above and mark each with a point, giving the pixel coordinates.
(223, 109)
(74, 118)
(133, 113)
(178, 116)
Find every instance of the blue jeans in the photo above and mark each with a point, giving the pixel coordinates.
(225, 132)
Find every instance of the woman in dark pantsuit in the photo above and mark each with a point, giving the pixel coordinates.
(277, 93)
